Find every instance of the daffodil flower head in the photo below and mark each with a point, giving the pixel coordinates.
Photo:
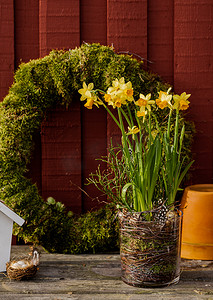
(128, 91)
(144, 102)
(119, 93)
(164, 99)
(107, 97)
(118, 102)
(118, 83)
(142, 113)
(181, 102)
(112, 99)
(94, 100)
(133, 131)
(89, 103)
(86, 91)
(141, 102)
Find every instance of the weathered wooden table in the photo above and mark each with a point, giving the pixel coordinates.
(97, 277)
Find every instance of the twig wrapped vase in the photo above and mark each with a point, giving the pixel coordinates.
(150, 250)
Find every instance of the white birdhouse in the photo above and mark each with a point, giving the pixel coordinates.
(7, 217)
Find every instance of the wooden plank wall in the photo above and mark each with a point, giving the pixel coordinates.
(175, 38)
(193, 71)
(6, 45)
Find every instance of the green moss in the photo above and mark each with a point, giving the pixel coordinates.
(39, 85)
(163, 269)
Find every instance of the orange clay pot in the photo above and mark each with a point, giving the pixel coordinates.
(197, 231)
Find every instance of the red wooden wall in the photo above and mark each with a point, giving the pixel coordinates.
(175, 37)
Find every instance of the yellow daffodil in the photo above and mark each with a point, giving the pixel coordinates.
(164, 99)
(89, 103)
(110, 100)
(88, 94)
(107, 97)
(86, 91)
(141, 102)
(128, 91)
(181, 102)
(141, 113)
(118, 83)
(118, 102)
(133, 130)
(119, 93)
(145, 104)
(94, 100)
(144, 101)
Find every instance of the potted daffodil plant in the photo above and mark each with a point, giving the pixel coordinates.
(148, 171)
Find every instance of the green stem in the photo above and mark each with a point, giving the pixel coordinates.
(126, 117)
(169, 125)
(124, 138)
(176, 130)
(130, 115)
(111, 114)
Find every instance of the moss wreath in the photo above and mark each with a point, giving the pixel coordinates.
(38, 86)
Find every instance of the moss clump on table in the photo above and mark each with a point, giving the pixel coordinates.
(38, 86)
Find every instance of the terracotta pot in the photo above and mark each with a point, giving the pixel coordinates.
(197, 231)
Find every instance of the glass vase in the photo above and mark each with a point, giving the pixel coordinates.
(150, 249)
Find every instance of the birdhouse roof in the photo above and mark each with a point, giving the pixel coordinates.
(10, 213)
